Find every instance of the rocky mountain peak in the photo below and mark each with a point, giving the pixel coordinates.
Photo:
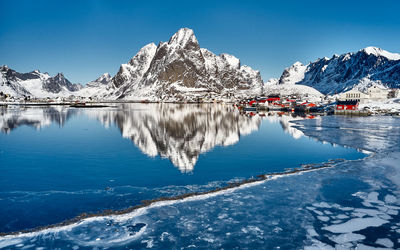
(293, 74)
(104, 79)
(175, 69)
(60, 77)
(184, 38)
(380, 52)
(132, 72)
(343, 72)
(231, 60)
(4, 68)
(59, 83)
(143, 54)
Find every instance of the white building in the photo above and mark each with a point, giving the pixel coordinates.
(376, 93)
(373, 93)
(354, 95)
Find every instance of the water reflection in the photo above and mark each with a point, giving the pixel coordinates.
(179, 132)
(38, 117)
(175, 131)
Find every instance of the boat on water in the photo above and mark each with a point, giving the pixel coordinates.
(250, 109)
(84, 105)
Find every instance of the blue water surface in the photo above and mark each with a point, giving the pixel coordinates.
(58, 162)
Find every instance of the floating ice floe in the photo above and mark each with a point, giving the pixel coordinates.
(356, 224)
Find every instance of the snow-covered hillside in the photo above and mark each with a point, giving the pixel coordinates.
(35, 84)
(343, 72)
(272, 87)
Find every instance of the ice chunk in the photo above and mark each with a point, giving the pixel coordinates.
(365, 247)
(342, 216)
(348, 237)
(390, 198)
(356, 224)
(311, 232)
(322, 205)
(384, 242)
(323, 218)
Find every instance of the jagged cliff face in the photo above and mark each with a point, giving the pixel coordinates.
(179, 68)
(343, 72)
(57, 83)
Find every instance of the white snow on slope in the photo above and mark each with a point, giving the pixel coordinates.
(293, 74)
(294, 89)
(380, 52)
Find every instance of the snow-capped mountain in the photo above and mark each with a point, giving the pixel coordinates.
(35, 84)
(179, 70)
(343, 72)
(97, 89)
(104, 79)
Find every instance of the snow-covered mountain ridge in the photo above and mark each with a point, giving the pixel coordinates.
(343, 72)
(35, 84)
(177, 70)
(180, 70)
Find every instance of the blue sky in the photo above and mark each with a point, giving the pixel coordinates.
(84, 39)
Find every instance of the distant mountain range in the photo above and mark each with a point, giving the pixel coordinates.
(343, 72)
(179, 70)
(35, 84)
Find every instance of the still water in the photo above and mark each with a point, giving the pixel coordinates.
(57, 162)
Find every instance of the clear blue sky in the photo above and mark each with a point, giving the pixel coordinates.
(84, 39)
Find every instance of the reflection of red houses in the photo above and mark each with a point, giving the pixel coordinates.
(308, 104)
(273, 98)
(252, 102)
(347, 105)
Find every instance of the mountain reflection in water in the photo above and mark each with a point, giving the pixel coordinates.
(179, 132)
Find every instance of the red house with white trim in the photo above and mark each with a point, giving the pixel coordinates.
(347, 105)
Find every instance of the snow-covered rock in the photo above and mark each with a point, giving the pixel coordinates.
(104, 79)
(271, 81)
(344, 72)
(293, 74)
(177, 70)
(380, 52)
(35, 84)
(180, 70)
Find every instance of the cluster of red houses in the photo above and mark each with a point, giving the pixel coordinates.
(278, 102)
(275, 102)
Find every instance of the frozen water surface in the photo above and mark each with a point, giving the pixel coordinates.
(354, 204)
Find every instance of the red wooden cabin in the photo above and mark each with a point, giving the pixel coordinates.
(347, 105)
